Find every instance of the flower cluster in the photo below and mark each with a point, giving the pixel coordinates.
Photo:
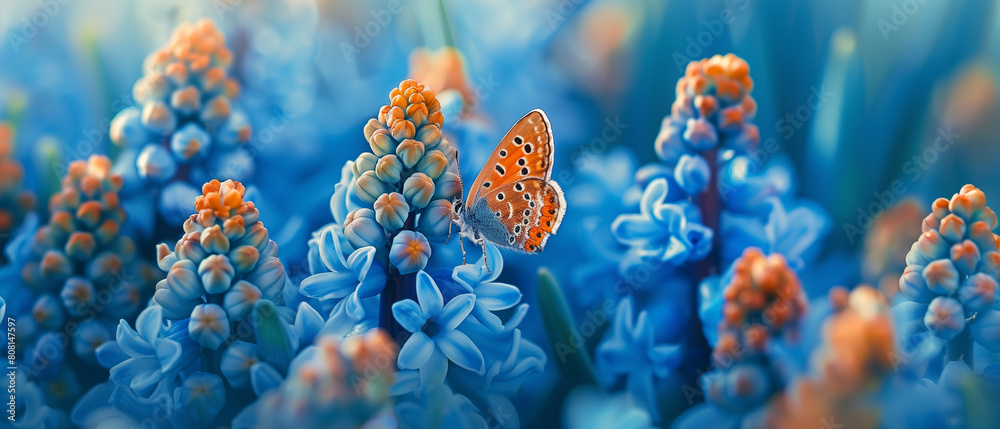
(335, 383)
(763, 305)
(709, 128)
(707, 200)
(186, 128)
(223, 266)
(852, 364)
(15, 201)
(217, 320)
(408, 172)
(83, 271)
(951, 271)
(77, 276)
(461, 362)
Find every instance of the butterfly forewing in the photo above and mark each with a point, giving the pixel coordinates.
(524, 152)
(531, 209)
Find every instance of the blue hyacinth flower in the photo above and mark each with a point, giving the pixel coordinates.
(668, 231)
(435, 339)
(630, 351)
(150, 353)
(350, 280)
(490, 295)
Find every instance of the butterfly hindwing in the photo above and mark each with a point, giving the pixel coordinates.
(525, 151)
(530, 209)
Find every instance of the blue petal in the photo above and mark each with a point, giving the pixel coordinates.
(330, 285)
(416, 351)
(110, 354)
(308, 322)
(461, 350)
(497, 296)
(361, 261)
(149, 323)
(654, 194)
(456, 311)
(130, 341)
(428, 295)
(331, 252)
(409, 315)
(169, 354)
(264, 377)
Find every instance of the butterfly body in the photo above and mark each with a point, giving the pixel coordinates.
(514, 203)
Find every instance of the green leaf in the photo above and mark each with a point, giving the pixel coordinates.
(275, 344)
(568, 347)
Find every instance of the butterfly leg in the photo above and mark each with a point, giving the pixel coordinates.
(461, 243)
(446, 240)
(486, 261)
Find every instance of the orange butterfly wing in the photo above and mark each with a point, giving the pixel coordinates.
(531, 209)
(525, 151)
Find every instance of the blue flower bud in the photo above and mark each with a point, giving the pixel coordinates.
(189, 247)
(158, 118)
(54, 265)
(368, 187)
(183, 280)
(216, 273)
(410, 251)
(941, 277)
(240, 299)
(256, 236)
(126, 128)
(237, 360)
(213, 240)
(365, 162)
(409, 152)
(268, 276)
(216, 111)
(209, 326)
(447, 187)
(244, 258)
(48, 312)
(418, 190)
(151, 87)
(80, 246)
(669, 144)
(391, 211)
(978, 293)
(77, 294)
(435, 219)
(48, 354)
(173, 306)
(372, 126)
(430, 135)
(88, 336)
(236, 130)
(361, 229)
(156, 164)
(202, 397)
(382, 143)
(190, 142)
(389, 169)
(692, 173)
(700, 134)
(945, 317)
(186, 100)
(433, 164)
(913, 286)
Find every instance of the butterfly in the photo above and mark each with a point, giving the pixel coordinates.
(514, 203)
